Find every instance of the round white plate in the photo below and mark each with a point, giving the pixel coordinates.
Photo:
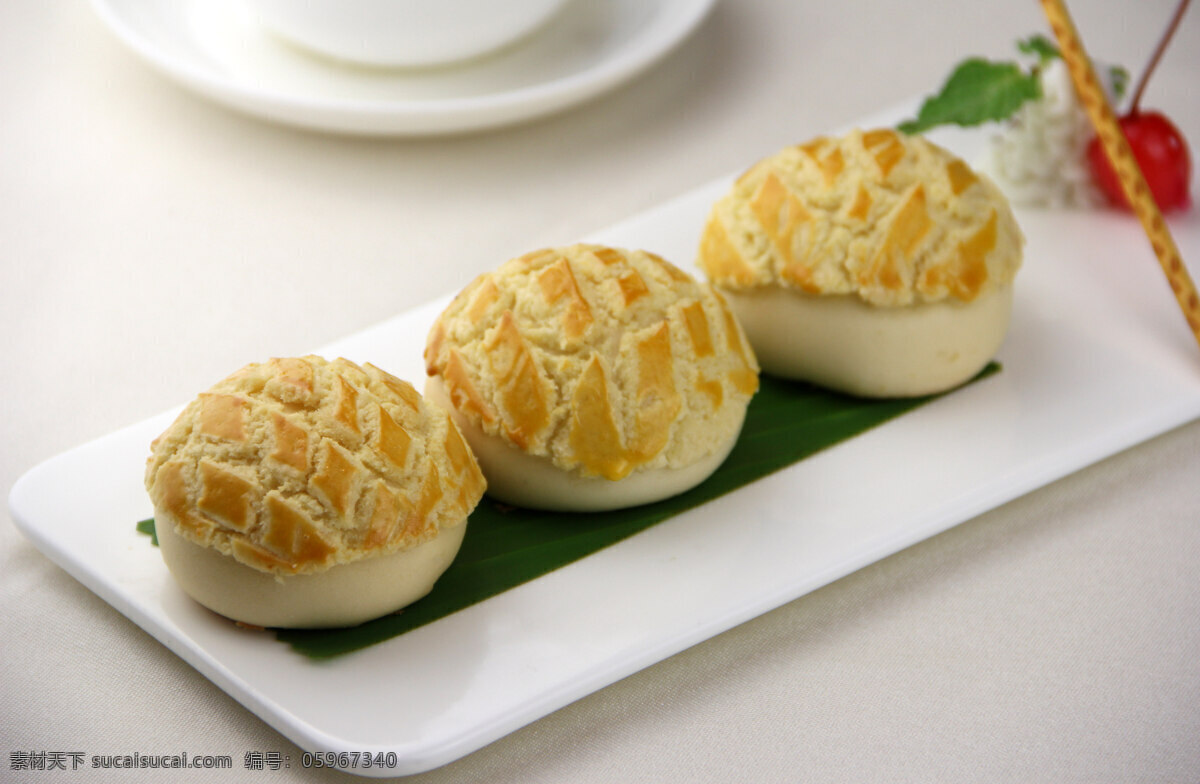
(217, 48)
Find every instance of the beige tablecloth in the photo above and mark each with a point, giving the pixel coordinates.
(153, 241)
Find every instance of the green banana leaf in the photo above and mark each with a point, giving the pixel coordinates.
(505, 546)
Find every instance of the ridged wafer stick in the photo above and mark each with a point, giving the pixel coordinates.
(1104, 120)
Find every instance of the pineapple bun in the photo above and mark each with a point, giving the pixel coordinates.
(877, 263)
(301, 492)
(588, 377)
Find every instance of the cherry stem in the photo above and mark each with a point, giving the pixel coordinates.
(1158, 53)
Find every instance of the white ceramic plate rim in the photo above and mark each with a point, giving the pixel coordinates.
(421, 117)
(1098, 360)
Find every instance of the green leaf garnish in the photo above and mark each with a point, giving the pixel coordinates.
(1119, 77)
(1045, 50)
(978, 91)
(981, 91)
(1040, 46)
(147, 527)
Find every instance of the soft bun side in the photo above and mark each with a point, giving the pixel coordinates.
(343, 596)
(842, 343)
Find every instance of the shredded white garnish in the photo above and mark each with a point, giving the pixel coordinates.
(1039, 156)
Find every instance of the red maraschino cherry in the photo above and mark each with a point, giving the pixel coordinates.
(1162, 155)
(1158, 146)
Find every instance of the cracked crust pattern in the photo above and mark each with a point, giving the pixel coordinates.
(298, 464)
(892, 219)
(604, 360)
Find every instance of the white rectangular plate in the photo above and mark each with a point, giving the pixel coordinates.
(1098, 359)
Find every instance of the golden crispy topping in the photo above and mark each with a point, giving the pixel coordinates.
(387, 512)
(960, 175)
(345, 403)
(291, 535)
(909, 224)
(334, 481)
(534, 259)
(521, 389)
(814, 147)
(420, 521)
(393, 441)
(658, 403)
(878, 137)
(291, 380)
(886, 147)
(711, 389)
(557, 282)
(433, 347)
(832, 165)
(246, 551)
(966, 273)
(223, 416)
(350, 372)
(674, 273)
(594, 435)
(174, 499)
(861, 205)
(744, 377)
(485, 295)
(608, 256)
(973, 272)
(401, 389)
(800, 276)
(697, 327)
(225, 497)
(456, 451)
(633, 287)
(722, 260)
(291, 442)
(780, 214)
(172, 487)
(462, 391)
(875, 214)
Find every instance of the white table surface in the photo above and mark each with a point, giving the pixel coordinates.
(152, 242)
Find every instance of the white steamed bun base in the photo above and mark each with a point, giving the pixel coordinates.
(843, 343)
(343, 595)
